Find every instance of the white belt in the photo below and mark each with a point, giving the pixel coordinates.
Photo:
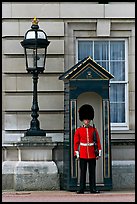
(86, 144)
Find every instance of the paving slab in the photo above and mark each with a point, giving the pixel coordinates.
(67, 196)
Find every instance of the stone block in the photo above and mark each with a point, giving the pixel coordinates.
(103, 27)
(24, 102)
(8, 174)
(120, 10)
(21, 176)
(123, 175)
(36, 176)
(40, 9)
(81, 10)
(14, 47)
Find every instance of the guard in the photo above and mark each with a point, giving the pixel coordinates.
(84, 148)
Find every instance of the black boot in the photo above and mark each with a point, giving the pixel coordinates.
(80, 192)
(94, 191)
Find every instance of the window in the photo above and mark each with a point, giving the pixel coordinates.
(112, 55)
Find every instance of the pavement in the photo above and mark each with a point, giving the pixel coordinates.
(67, 196)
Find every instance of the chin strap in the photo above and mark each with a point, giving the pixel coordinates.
(86, 126)
(93, 124)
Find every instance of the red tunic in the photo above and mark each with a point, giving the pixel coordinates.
(83, 142)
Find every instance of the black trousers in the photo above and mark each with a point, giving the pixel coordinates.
(91, 163)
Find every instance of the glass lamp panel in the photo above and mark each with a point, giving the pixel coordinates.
(30, 35)
(31, 58)
(40, 57)
(41, 35)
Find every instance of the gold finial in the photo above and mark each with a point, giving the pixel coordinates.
(35, 21)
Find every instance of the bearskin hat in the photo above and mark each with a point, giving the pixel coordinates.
(86, 111)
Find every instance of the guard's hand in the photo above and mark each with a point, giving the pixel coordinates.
(99, 155)
(77, 154)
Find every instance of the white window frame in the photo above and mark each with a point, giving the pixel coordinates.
(114, 126)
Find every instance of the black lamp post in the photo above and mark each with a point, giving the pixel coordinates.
(35, 45)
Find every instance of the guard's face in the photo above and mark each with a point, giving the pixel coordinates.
(86, 121)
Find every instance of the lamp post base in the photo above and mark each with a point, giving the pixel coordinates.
(32, 132)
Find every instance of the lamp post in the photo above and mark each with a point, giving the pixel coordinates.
(35, 45)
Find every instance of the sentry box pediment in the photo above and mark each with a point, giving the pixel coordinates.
(87, 75)
(86, 69)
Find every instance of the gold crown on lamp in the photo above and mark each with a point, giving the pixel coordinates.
(35, 21)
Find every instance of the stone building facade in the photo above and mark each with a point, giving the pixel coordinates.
(66, 24)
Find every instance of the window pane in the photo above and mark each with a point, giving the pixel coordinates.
(118, 70)
(117, 92)
(85, 49)
(117, 50)
(104, 64)
(117, 112)
(117, 103)
(101, 51)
